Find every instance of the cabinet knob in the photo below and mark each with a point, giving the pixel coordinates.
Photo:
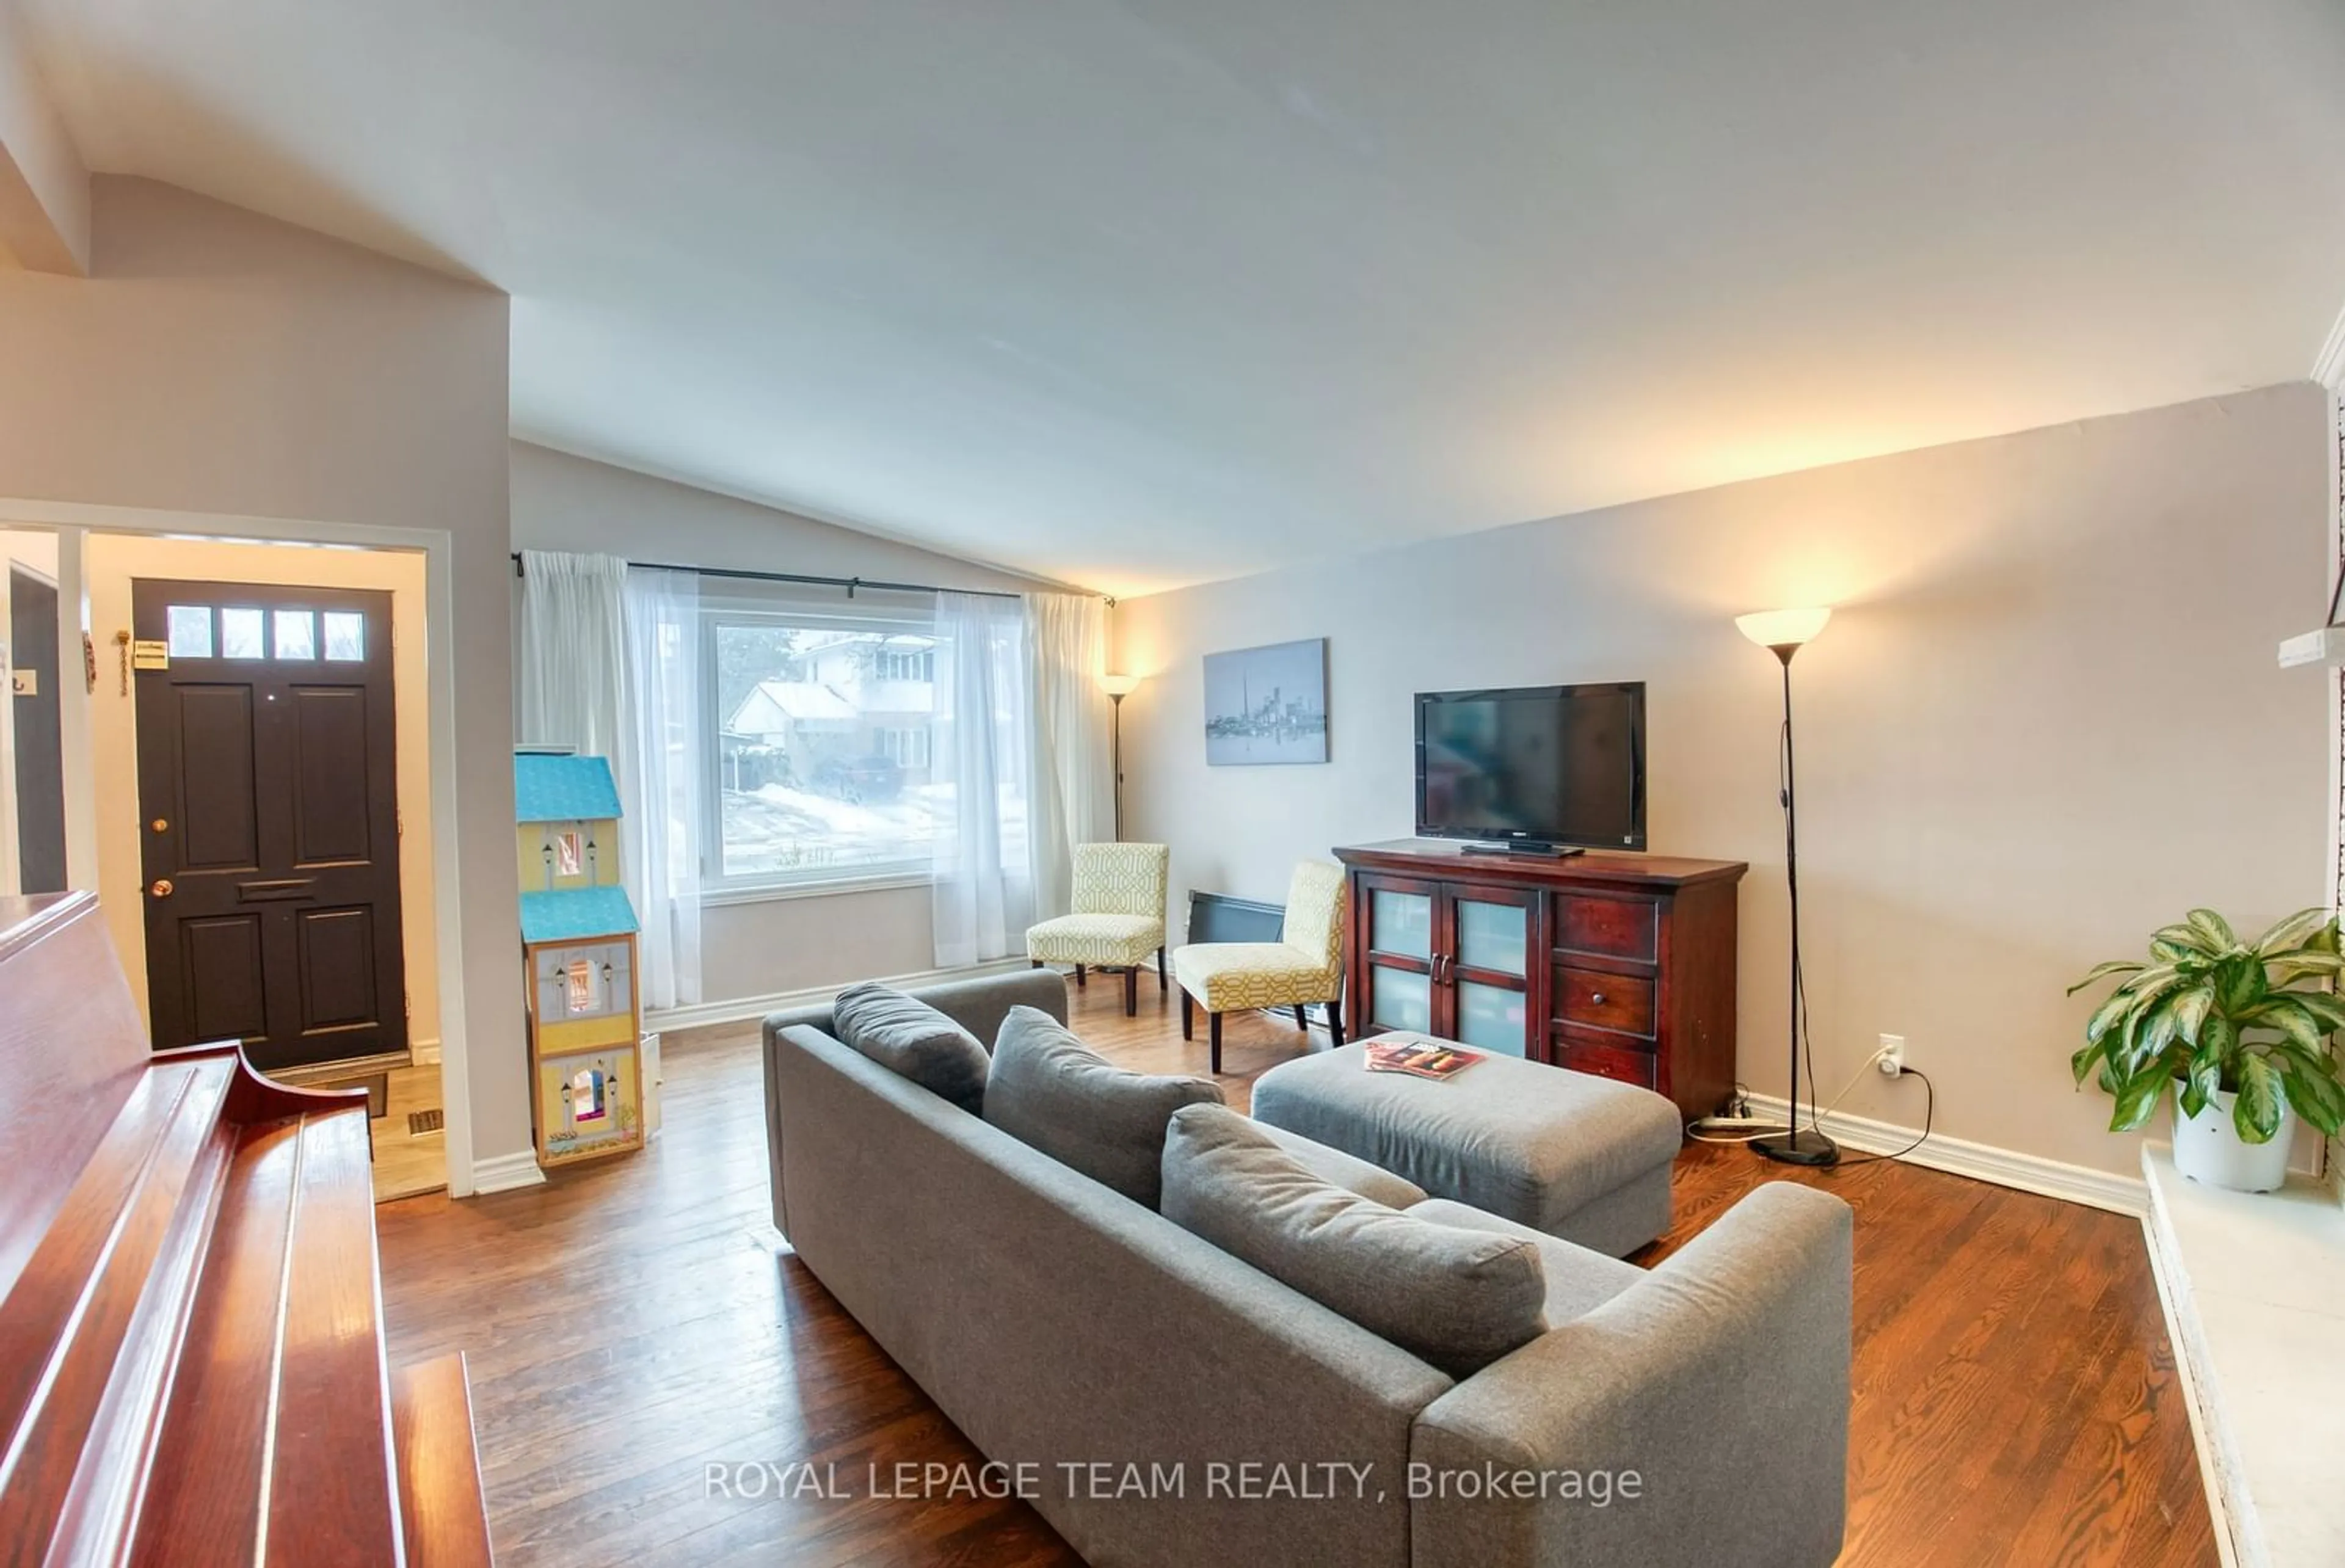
(1596, 997)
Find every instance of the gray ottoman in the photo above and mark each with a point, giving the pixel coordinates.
(1573, 1155)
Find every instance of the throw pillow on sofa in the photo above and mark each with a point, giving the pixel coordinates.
(1458, 1299)
(1053, 1093)
(912, 1040)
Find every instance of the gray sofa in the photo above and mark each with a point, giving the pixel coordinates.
(1058, 1323)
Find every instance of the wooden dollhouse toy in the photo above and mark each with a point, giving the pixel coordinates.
(578, 938)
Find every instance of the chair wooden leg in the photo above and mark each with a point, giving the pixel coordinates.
(1130, 990)
(1188, 1022)
(1336, 1023)
(1301, 1022)
(1162, 984)
(1079, 974)
(1213, 1032)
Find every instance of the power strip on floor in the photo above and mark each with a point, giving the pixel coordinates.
(1737, 1124)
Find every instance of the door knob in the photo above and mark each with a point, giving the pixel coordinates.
(162, 888)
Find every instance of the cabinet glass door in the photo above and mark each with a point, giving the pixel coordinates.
(1491, 932)
(1493, 1019)
(1494, 938)
(1398, 916)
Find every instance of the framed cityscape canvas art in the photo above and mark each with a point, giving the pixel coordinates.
(1267, 705)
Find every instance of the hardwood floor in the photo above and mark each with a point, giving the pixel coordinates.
(632, 1324)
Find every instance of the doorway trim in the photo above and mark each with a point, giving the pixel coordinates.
(71, 520)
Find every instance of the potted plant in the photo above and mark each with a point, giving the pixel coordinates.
(2237, 1028)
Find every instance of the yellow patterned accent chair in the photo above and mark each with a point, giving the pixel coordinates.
(1305, 963)
(1117, 919)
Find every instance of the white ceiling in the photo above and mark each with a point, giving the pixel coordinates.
(1146, 292)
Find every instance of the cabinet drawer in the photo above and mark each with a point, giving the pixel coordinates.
(1608, 1001)
(1623, 927)
(1605, 1062)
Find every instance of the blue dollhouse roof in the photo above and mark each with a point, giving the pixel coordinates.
(575, 913)
(562, 789)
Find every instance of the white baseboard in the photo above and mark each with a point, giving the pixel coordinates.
(1980, 1161)
(740, 1009)
(423, 1053)
(505, 1172)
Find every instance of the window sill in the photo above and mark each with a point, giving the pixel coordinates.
(827, 887)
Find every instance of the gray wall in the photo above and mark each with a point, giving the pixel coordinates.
(222, 363)
(2046, 719)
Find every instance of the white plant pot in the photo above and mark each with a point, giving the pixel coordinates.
(2208, 1150)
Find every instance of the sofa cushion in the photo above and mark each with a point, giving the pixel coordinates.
(1348, 1171)
(1459, 1299)
(1052, 1092)
(913, 1040)
(1579, 1279)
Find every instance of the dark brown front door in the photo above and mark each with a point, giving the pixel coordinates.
(268, 812)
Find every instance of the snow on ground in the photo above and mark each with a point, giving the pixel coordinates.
(776, 827)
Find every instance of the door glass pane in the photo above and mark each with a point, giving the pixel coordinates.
(1490, 1019)
(1401, 922)
(1399, 999)
(190, 631)
(297, 634)
(1493, 936)
(240, 634)
(345, 636)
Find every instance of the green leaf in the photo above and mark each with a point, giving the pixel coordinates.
(2158, 1025)
(2292, 1018)
(2136, 1101)
(2315, 1093)
(2193, 1098)
(2190, 1010)
(2327, 1009)
(2106, 1017)
(2218, 929)
(2239, 984)
(2189, 938)
(2291, 933)
(2218, 1043)
(2306, 964)
(2103, 971)
(2256, 1112)
(2082, 1062)
(2213, 1056)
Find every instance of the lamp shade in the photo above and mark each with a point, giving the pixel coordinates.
(1783, 627)
(1119, 685)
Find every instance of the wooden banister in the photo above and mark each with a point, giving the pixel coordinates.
(192, 1367)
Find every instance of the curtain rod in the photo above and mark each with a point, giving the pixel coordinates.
(849, 583)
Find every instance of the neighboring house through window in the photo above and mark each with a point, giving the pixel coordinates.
(822, 716)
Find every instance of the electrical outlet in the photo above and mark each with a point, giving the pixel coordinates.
(1891, 1059)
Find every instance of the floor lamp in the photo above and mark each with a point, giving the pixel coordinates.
(1783, 632)
(1119, 687)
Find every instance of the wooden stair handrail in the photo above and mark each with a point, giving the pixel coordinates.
(192, 1360)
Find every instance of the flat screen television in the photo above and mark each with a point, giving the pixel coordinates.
(1534, 769)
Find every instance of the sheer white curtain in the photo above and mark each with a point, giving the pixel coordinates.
(1074, 795)
(610, 665)
(663, 832)
(984, 745)
(571, 675)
